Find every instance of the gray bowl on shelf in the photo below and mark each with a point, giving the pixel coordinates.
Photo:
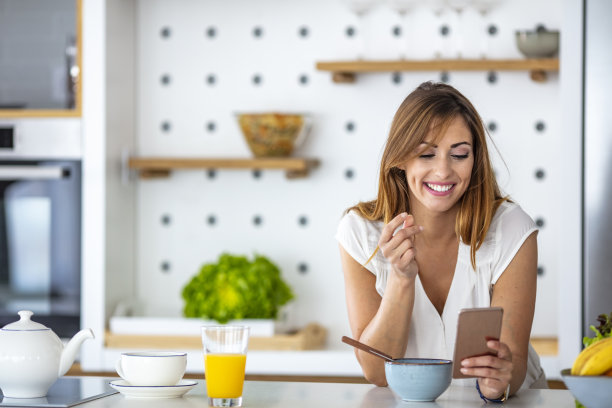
(538, 43)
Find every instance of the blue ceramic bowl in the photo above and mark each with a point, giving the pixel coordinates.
(593, 391)
(418, 379)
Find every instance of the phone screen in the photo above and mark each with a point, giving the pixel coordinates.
(474, 328)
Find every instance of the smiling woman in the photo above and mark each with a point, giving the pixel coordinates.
(440, 237)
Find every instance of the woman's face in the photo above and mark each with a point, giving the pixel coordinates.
(440, 173)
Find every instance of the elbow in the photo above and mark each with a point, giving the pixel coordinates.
(375, 377)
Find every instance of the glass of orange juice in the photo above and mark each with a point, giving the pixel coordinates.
(225, 349)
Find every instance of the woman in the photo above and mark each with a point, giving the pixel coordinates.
(440, 237)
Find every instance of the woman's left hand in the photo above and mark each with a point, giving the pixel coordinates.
(494, 372)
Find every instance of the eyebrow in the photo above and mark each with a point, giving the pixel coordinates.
(452, 146)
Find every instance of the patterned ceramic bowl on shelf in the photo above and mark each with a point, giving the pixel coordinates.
(273, 134)
(540, 43)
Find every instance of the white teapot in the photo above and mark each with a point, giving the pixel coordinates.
(32, 357)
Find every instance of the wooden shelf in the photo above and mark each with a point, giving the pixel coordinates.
(311, 337)
(155, 167)
(345, 71)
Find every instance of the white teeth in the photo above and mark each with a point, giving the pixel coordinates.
(440, 188)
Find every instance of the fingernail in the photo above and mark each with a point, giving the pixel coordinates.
(421, 228)
(464, 370)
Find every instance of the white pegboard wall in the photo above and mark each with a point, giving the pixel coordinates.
(210, 55)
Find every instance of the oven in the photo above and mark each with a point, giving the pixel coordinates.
(40, 237)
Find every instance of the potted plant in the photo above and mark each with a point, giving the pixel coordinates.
(235, 288)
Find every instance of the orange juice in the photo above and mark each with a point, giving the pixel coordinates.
(224, 375)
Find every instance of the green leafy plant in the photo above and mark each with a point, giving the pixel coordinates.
(601, 332)
(236, 288)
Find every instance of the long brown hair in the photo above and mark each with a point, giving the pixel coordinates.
(433, 106)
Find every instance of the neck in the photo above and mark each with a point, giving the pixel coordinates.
(438, 227)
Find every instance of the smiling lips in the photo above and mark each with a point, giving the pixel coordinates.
(439, 189)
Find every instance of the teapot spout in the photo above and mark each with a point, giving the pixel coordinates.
(70, 351)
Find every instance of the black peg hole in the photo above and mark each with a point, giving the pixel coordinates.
(257, 32)
(166, 219)
(492, 30)
(211, 220)
(540, 271)
(211, 79)
(492, 77)
(350, 31)
(256, 174)
(396, 31)
(540, 126)
(165, 267)
(303, 79)
(349, 174)
(492, 126)
(302, 268)
(444, 30)
(211, 126)
(165, 32)
(350, 126)
(303, 220)
(540, 174)
(396, 78)
(211, 173)
(211, 32)
(444, 77)
(257, 79)
(540, 222)
(257, 220)
(166, 126)
(165, 79)
(303, 32)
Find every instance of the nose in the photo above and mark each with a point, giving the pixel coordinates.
(442, 167)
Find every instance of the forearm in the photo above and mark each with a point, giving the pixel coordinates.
(388, 329)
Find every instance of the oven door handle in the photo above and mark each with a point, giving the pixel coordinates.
(9, 172)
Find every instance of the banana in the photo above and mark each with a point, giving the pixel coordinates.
(602, 349)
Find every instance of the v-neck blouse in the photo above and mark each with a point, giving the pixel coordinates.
(432, 335)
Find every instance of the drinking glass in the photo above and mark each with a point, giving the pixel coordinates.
(484, 7)
(361, 8)
(404, 8)
(225, 349)
(458, 6)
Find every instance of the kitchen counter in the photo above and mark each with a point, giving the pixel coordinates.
(297, 394)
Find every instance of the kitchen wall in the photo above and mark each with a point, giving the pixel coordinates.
(198, 63)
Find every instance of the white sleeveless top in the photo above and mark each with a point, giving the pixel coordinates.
(432, 335)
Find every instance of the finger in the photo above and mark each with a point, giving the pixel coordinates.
(406, 234)
(389, 229)
(395, 254)
(486, 361)
(499, 376)
(502, 349)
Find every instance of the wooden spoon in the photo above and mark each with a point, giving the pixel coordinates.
(366, 348)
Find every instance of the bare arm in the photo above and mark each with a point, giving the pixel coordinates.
(382, 322)
(515, 292)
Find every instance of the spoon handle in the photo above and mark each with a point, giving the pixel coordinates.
(366, 348)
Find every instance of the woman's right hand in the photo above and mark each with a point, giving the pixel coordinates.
(399, 248)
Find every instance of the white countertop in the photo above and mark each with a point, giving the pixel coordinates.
(313, 395)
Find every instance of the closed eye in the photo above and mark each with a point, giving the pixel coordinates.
(427, 156)
(460, 156)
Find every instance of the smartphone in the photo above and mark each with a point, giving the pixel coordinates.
(474, 328)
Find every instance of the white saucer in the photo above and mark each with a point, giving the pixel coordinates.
(159, 391)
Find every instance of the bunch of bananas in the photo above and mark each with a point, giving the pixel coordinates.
(595, 359)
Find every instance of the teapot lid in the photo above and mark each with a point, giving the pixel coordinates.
(24, 323)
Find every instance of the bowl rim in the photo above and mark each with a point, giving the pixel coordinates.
(419, 361)
(567, 372)
(536, 33)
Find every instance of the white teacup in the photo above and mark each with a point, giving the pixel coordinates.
(152, 368)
